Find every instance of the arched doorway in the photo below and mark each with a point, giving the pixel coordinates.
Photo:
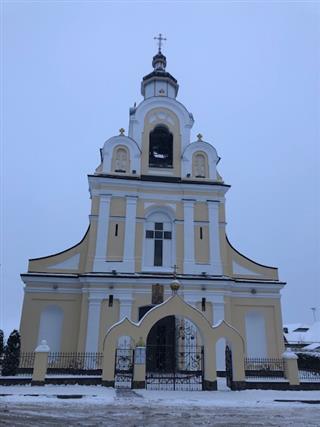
(174, 355)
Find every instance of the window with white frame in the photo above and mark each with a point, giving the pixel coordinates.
(158, 241)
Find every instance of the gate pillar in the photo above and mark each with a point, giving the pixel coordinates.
(139, 369)
(210, 373)
(108, 367)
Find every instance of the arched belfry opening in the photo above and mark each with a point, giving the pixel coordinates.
(161, 147)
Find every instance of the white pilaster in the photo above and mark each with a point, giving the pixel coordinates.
(102, 233)
(130, 234)
(188, 265)
(93, 324)
(125, 308)
(214, 237)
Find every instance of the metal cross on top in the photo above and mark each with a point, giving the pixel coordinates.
(175, 268)
(160, 39)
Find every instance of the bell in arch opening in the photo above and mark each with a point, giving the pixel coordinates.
(161, 148)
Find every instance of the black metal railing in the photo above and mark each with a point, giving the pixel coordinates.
(309, 374)
(264, 368)
(74, 363)
(308, 366)
(26, 363)
(25, 367)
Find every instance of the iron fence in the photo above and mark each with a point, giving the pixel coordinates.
(26, 363)
(311, 374)
(74, 363)
(25, 368)
(265, 368)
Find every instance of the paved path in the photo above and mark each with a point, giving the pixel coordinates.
(124, 414)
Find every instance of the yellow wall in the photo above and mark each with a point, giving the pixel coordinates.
(270, 309)
(35, 303)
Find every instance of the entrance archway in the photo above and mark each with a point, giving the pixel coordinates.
(174, 306)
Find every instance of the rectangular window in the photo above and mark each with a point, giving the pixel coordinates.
(110, 301)
(167, 235)
(149, 234)
(116, 230)
(203, 304)
(158, 226)
(159, 234)
(158, 253)
(201, 233)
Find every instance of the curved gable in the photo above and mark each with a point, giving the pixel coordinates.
(71, 260)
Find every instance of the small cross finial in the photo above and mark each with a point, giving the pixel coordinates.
(199, 136)
(121, 130)
(160, 39)
(175, 268)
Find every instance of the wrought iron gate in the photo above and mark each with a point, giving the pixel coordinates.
(175, 369)
(174, 361)
(124, 368)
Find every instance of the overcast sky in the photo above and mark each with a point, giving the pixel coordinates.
(249, 73)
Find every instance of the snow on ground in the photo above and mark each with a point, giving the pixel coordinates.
(100, 406)
(105, 395)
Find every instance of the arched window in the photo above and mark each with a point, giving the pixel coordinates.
(158, 241)
(121, 160)
(199, 166)
(50, 328)
(161, 148)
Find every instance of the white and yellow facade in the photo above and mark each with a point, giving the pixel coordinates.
(158, 206)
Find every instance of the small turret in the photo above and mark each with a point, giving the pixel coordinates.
(159, 82)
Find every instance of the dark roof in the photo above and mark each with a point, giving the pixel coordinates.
(163, 74)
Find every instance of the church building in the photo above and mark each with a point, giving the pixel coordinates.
(157, 213)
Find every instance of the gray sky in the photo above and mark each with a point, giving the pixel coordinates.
(248, 71)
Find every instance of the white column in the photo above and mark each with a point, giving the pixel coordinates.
(188, 227)
(102, 233)
(130, 234)
(93, 324)
(214, 237)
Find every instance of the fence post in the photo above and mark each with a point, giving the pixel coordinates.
(291, 367)
(139, 368)
(40, 364)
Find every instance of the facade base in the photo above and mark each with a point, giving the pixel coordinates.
(209, 385)
(138, 384)
(34, 383)
(238, 385)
